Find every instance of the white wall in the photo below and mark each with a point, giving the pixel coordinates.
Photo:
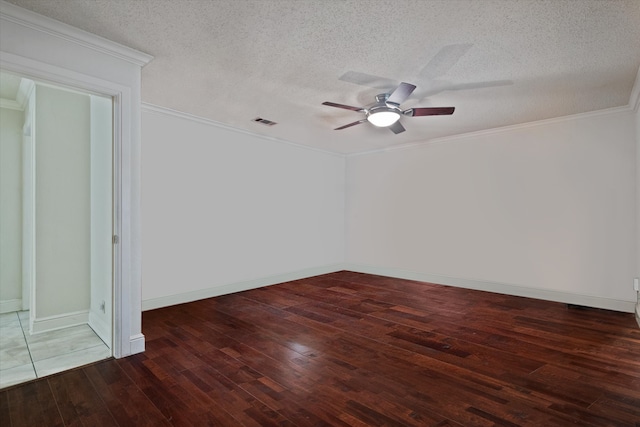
(543, 210)
(224, 210)
(10, 210)
(62, 202)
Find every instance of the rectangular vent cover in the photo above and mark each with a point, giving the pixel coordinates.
(264, 121)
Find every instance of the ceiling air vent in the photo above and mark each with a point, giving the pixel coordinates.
(264, 121)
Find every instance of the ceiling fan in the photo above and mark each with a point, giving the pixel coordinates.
(386, 111)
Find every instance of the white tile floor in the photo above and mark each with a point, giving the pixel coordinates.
(24, 357)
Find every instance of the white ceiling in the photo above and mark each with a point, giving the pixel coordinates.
(499, 62)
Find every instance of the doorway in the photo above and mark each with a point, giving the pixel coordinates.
(56, 219)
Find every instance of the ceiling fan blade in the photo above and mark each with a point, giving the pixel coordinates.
(401, 93)
(351, 124)
(368, 80)
(429, 111)
(397, 127)
(444, 60)
(346, 107)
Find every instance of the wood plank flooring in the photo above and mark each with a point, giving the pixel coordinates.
(351, 349)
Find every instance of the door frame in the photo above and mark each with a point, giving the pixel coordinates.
(45, 49)
(122, 227)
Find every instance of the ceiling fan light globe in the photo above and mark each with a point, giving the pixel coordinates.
(383, 118)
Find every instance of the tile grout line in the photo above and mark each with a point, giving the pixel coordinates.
(33, 365)
(29, 350)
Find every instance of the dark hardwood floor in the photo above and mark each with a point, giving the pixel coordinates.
(350, 349)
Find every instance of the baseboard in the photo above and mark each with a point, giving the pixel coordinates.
(136, 344)
(51, 323)
(481, 285)
(501, 288)
(181, 298)
(638, 312)
(10, 305)
(101, 327)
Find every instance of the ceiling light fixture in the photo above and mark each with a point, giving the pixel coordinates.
(383, 116)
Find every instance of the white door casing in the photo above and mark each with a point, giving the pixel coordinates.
(42, 48)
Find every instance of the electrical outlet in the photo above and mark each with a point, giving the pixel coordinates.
(636, 285)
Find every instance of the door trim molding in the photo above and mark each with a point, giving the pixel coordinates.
(44, 49)
(75, 35)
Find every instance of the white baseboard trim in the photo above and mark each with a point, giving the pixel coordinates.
(136, 344)
(481, 285)
(501, 288)
(10, 305)
(168, 300)
(51, 323)
(100, 326)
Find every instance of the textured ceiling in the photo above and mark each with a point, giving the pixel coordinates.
(499, 62)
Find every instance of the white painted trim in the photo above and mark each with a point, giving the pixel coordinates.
(153, 303)
(10, 305)
(501, 288)
(60, 321)
(62, 78)
(29, 204)
(100, 327)
(494, 131)
(83, 38)
(10, 104)
(25, 90)
(121, 81)
(150, 108)
(481, 285)
(136, 343)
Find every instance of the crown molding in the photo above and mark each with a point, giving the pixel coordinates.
(494, 131)
(27, 18)
(150, 108)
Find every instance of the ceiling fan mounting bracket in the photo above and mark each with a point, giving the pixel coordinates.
(382, 98)
(382, 108)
